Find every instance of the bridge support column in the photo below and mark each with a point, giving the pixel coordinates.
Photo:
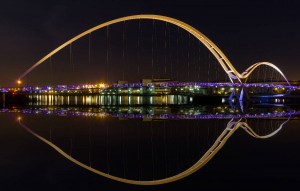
(231, 96)
(239, 97)
(243, 94)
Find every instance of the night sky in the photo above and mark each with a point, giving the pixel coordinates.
(246, 31)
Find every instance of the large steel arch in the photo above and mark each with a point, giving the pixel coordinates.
(218, 54)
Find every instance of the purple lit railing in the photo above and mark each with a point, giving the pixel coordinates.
(153, 84)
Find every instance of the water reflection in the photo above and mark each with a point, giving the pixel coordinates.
(161, 112)
(41, 100)
(165, 147)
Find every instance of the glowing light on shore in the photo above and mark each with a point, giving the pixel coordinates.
(102, 85)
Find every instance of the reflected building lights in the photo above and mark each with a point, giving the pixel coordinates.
(140, 112)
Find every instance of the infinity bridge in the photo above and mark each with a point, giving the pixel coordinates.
(136, 84)
(249, 84)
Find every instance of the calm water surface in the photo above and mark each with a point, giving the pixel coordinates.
(98, 148)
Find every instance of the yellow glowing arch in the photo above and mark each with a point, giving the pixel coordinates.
(219, 55)
(249, 70)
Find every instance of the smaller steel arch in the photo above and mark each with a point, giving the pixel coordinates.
(249, 70)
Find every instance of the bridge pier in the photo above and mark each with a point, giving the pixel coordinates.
(239, 96)
(231, 96)
(243, 94)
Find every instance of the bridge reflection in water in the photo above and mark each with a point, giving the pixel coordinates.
(146, 152)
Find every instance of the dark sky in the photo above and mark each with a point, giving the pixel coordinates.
(246, 31)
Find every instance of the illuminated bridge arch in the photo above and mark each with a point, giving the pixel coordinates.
(253, 67)
(218, 54)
